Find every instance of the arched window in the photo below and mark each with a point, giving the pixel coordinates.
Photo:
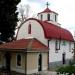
(40, 62)
(18, 60)
(41, 16)
(29, 29)
(48, 17)
(64, 58)
(55, 17)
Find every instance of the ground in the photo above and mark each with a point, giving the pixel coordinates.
(39, 73)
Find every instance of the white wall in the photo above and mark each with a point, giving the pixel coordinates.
(53, 56)
(52, 18)
(36, 31)
(44, 16)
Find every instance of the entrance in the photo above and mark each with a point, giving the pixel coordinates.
(7, 61)
(40, 62)
(63, 58)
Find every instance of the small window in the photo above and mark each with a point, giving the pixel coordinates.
(48, 17)
(29, 29)
(69, 46)
(57, 45)
(41, 16)
(18, 60)
(55, 17)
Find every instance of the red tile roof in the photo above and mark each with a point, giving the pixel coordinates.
(52, 31)
(22, 44)
(56, 32)
(47, 10)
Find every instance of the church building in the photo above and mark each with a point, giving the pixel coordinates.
(40, 43)
(48, 31)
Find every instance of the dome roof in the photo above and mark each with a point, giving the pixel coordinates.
(52, 31)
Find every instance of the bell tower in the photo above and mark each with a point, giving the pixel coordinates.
(48, 15)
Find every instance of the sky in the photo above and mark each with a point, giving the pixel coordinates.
(64, 8)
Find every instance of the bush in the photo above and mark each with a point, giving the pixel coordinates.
(66, 69)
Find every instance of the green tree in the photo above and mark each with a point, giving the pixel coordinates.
(8, 18)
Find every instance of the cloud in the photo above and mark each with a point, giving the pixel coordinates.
(38, 1)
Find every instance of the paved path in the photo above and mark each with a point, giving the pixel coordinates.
(46, 73)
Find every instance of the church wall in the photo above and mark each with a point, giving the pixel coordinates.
(44, 61)
(36, 31)
(57, 56)
(14, 67)
(44, 16)
(32, 62)
(53, 17)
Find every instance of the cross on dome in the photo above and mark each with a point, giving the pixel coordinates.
(47, 4)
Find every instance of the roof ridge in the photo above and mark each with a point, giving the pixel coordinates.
(30, 43)
(41, 43)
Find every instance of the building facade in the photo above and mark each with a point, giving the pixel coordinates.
(26, 56)
(48, 31)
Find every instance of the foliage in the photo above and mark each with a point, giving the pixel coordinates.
(67, 69)
(8, 18)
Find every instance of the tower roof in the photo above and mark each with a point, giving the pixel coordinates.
(47, 10)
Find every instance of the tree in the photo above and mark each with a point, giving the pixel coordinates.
(23, 12)
(8, 19)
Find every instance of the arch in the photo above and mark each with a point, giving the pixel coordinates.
(48, 17)
(40, 62)
(34, 20)
(18, 59)
(64, 58)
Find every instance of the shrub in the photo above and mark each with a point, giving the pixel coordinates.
(66, 69)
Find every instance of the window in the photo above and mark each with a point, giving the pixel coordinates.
(48, 17)
(57, 45)
(64, 58)
(18, 60)
(29, 29)
(55, 18)
(69, 46)
(41, 16)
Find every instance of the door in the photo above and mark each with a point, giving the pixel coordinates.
(64, 58)
(40, 62)
(7, 61)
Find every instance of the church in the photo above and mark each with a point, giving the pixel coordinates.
(40, 44)
(48, 31)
